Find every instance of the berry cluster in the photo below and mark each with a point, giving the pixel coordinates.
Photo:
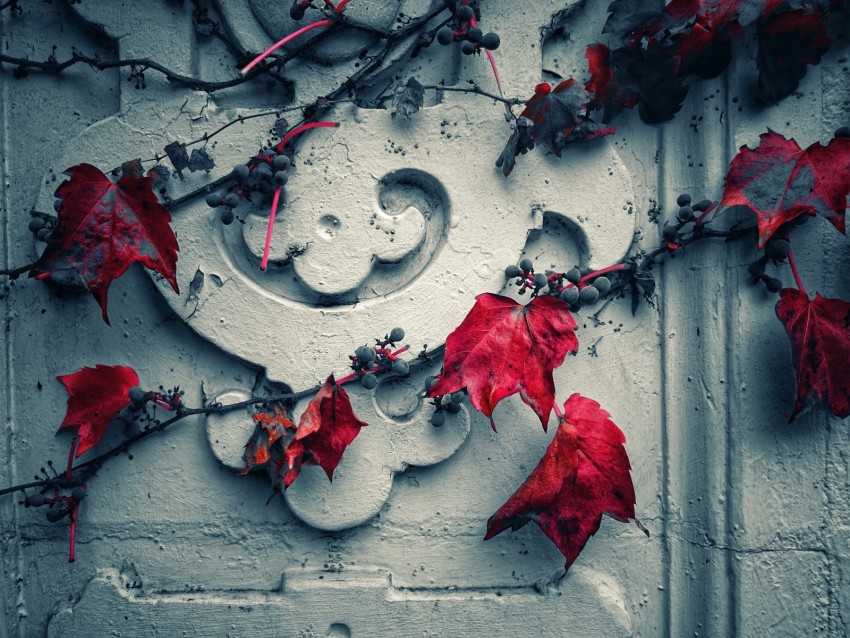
(59, 506)
(775, 250)
(446, 403)
(463, 28)
(369, 361)
(575, 287)
(687, 214)
(254, 182)
(42, 226)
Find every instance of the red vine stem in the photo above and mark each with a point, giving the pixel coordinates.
(796, 273)
(341, 6)
(492, 64)
(301, 129)
(599, 273)
(557, 409)
(320, 23)
(264, 262)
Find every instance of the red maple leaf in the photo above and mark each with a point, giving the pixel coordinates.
(819, 331)
(778, 181)
(265, 447)
(327, 427)
(502, 348)
(97, 395)
(104, 227)
(583, 475)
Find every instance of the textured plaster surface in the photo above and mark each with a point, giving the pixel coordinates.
(747, 514)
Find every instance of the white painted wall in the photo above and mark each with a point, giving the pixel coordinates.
(747, 514)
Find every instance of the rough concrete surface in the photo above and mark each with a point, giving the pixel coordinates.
(390, 221)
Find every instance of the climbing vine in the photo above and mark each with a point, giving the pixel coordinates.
(106, 219)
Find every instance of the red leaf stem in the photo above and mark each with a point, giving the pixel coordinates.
(301, 129)
(321, 23)
(796, 273)
(602, 271)
(264, 262)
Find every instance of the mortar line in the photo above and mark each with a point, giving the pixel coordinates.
(8, 390)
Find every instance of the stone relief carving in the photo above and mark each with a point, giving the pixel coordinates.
(386, 222)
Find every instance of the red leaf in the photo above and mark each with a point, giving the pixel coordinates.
(779, 181)
(265, 447)
(104, 227)
(327, 427)
(554, 114)
(788, 43)
(97, 395)
(502, 348)
(819, 331)
(583, 475)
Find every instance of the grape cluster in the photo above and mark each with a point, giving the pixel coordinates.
(575, 287)
(254, 182)
(463, 28)
(775, 250)
(369, 361)
(444, 404)
(41, 226)
(687, 214)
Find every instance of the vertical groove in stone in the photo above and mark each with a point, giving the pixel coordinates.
(15, 558)
(694, 307)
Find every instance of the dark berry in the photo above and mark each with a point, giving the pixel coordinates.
(430, 381)
(231, 200)
(703, 205)
(57, 205)
(458, 397)
(369, 381)
(227, 216)
(777, 248)
(36, 224)
(78, 494)
(438, 419)
(365, 354)
(569, 295)
(686, 214)
(296, 12)
(491, 41)
(540, 280)
(401, 368)
(54, 515)
(573, 275)
(467, 48)
(453, 408)
(756, 268)
(280, 178)
(511, 271)
(214, 200)
(396, 335)
(445, 36)
(588, 295)
(136, 394)
(772, 284)
(241, 171)
(43, 234)
(683, 200)
(465, 13)
(844, 131)
(35, 500)
(281, 162)
(602, 284)
(526, 265)
(670, 231)
(474, 35)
